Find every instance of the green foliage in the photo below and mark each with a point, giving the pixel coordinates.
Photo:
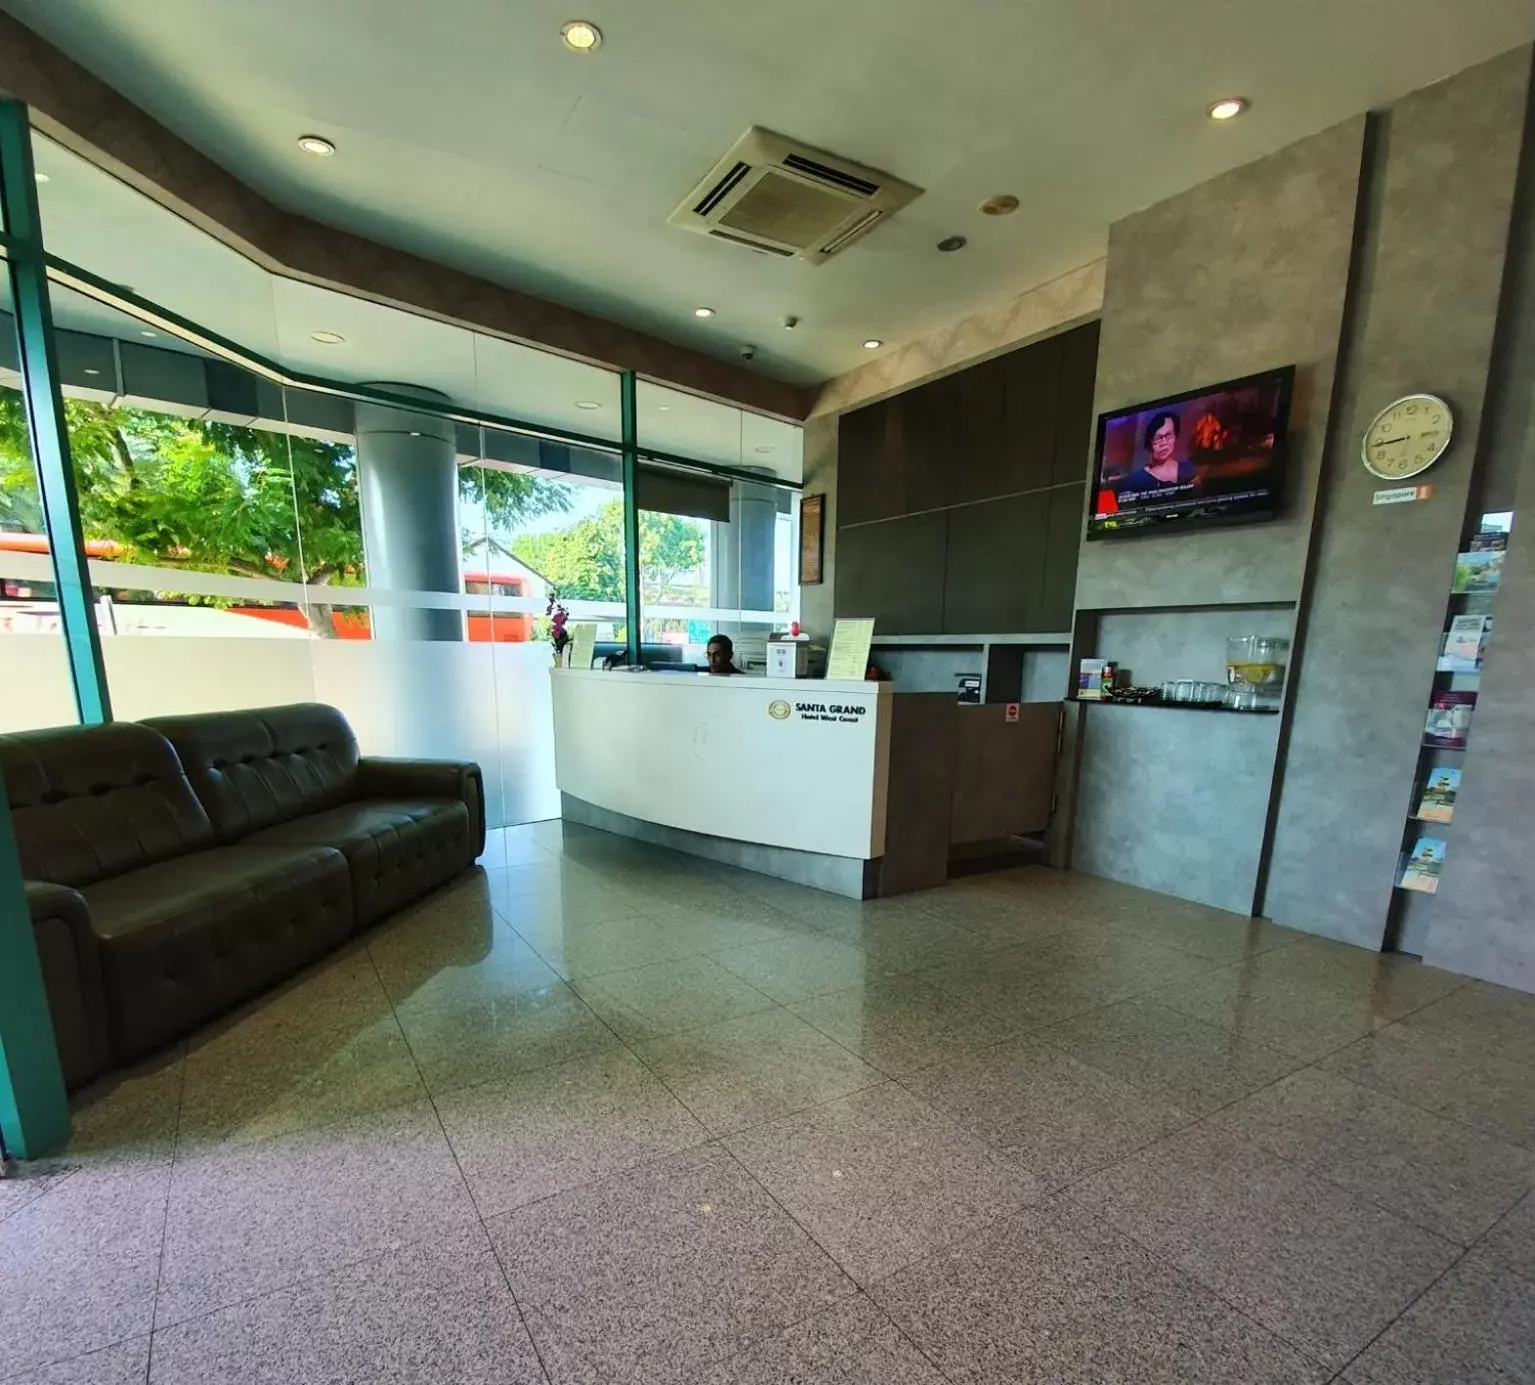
(212, 497)
(586, 561)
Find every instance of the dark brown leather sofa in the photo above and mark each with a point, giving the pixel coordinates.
(177, 867)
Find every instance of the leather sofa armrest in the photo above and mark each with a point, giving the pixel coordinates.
(380, 776)
(71, 965)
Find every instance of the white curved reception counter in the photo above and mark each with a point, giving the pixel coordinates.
(756, 771)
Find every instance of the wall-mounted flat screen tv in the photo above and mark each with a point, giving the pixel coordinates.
(1212, 456)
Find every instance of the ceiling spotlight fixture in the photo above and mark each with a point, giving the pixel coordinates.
(587, 404)
(951, 243)
(763, 451)
(703, 312)
(40, 177)
(1003, 204)
(145, 332)
(91, 370)
(317, 145)
(1227, 108)
(581, 35)
(327, 338)
(790, 323)
(664, 408)
(873, 344)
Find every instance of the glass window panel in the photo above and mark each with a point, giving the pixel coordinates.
(700, 577)
(704, 430)
(186, 503)
(93, 220)
(36, 689)
(539, 387)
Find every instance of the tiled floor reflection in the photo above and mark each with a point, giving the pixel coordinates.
(601, 1113)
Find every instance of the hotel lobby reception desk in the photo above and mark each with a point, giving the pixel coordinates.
(845, 786)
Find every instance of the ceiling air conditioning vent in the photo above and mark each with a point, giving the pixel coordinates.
(781, 198)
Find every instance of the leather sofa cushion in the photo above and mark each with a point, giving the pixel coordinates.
(88, 802)
(66, 952)
(396, 850)
(253, 769)
(183, 941)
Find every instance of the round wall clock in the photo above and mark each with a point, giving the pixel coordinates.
(1407, 437)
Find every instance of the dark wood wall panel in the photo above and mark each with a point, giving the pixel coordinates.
(996, 565)
(984, 469)
(894, 572)
(1059, 586)
(1074, 405)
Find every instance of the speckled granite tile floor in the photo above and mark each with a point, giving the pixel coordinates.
(600, 1113)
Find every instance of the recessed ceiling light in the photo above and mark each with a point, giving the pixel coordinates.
(91, 370)
(763, 451)
(587, 404)
(664, 408)
(327, 338)
(317, 145)
(40, 177)
(873, 344)
(580, 35)
(703, 312)
(145, 332)
(949, 244)
(1003, 204)
(1227, 108)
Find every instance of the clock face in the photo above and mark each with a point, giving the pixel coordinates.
(1407, 437)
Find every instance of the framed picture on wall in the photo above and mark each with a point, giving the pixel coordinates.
(812, 535)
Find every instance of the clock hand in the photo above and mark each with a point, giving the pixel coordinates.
(1386, 442)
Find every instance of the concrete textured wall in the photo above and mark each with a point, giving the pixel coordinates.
(1429, 278)
(1482, 921)
(1175, 800)
(1244, 273)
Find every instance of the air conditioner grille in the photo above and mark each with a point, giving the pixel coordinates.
(722, 188)
(864, 224)
(752, 244)
(779, 197)
(862, 186)
(786, 210)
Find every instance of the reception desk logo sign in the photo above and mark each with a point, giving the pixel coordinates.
(780, 710)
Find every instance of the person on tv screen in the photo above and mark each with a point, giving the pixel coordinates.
(1162, 471)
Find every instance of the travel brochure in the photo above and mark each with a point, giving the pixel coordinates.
(1481, 569)
(1095, 679)
(1465, 644)
(1449, 720)
(1421, 872)
(1438, 801)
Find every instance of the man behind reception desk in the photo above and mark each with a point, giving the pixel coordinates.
(721, 653)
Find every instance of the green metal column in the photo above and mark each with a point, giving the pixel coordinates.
(629, 413)
(34, 1112)
(45, 413)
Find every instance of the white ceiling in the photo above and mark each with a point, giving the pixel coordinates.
(468, 134)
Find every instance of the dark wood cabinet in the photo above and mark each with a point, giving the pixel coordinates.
(959, 503)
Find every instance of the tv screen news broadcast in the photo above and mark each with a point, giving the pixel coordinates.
(1214, 455)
